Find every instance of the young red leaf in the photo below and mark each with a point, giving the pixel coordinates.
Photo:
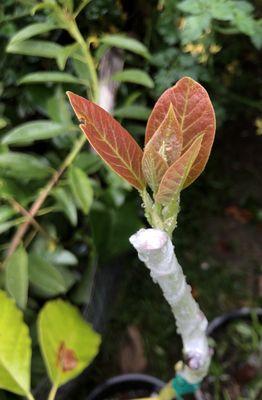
(176, 175)
(111, 141)
(168, 139)
(154, 166)
(195, 115)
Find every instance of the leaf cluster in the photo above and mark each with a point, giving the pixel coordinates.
(68, 345)
(178, 139)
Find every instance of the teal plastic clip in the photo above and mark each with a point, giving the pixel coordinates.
(181, 386)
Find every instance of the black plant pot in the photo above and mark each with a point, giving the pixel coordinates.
(128, 386)
(220, 322)
(240, 372)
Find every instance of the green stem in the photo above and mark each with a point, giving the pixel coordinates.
(76, 34)
(53, 392)
(29, 396)
(34, 209)
(80, 7)
(167, 392)
(152, 211)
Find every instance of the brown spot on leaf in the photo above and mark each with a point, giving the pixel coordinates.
(66, 358)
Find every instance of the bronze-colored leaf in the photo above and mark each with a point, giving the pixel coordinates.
(111, 141)
(176, 175)
(168, 139)
(154, 166)
(195, 116)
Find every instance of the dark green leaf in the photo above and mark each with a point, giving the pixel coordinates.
(16, 278)
(66, 204)
(37, 48)
(138, 112)
(81, 70)
(6, 212)
(64, 54)
(134, 76)
(45, 77)
(33, 30)
(70, 277)
(127, 43)
(88, 162)
(45, 277)
(58, 107)
(62, 257)
(81, 188)
(24, 166)
(30, 131)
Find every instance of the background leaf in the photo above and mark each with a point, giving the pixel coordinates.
(138, 112)
(134, 76)
(66, 204)
(58, 108)
(62, 331)
(37, 48)
(24, 166)
(16, 276)
(81, 188)
(45, 77)
(15, 348)
(30, 131)
(45, 277)
(33, 30)
(127, 43)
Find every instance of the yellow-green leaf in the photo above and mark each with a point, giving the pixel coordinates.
(68, 343)
(176, 175)
(153, 166)
(15, 348)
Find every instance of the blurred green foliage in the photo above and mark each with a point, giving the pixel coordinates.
(88, 214)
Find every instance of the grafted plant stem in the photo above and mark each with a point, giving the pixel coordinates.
(156, 250)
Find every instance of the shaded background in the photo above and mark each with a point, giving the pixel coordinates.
(218, 239)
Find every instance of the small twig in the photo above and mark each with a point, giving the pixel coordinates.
(21, 231)
(19, 208)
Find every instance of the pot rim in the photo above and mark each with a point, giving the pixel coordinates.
(224, 319)
(125, 378)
